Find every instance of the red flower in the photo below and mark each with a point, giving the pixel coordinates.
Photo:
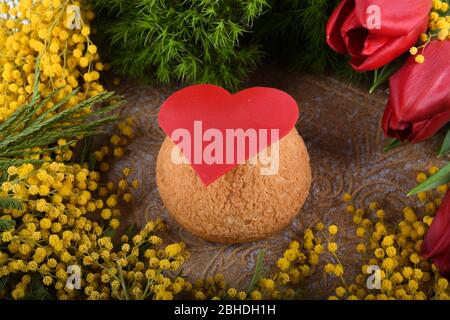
(419, 102)
(353, 29)
(436, 245)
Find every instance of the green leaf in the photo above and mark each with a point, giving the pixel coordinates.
(445, 148)
(131, 230)
(440, 178)
(92, 162)
(110, 233)
(37, 290)
(7, 224)
(382, 75)
(259, 271)
(3, 282)
(10, 203)
(394, 143)
(85, 150)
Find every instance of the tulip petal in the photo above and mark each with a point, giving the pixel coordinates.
(392, 127)
(353, 35)
(397, 18)
(419, 92)
(413, 132)
(436, 245)
(430, 127)
(354, 39)
(374, 43)
(391, 50)
(335, 23)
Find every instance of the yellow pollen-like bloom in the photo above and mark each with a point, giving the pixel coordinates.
(420, 59)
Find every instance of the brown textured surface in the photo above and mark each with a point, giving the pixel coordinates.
(340, 126)
(242, 205)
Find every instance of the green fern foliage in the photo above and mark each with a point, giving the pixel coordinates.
(10, 203)
(6, 224)
(196, 41)
(294, 31)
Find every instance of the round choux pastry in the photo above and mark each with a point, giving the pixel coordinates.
(242, 205)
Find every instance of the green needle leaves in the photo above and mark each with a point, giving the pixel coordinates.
(196, 41)
(32, 131)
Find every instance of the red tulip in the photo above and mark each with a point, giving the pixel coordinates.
(373, 41)
(419, 101)
(436, 245)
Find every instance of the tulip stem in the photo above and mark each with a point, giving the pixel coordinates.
(383, 74)
(375, 81)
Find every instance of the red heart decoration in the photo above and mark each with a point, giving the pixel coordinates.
(213, 107)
